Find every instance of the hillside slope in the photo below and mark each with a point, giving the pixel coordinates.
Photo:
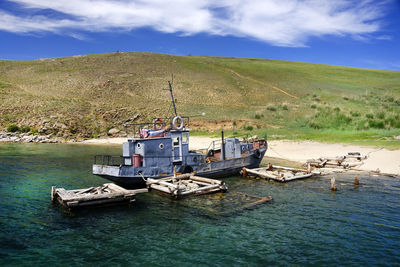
(87, 95)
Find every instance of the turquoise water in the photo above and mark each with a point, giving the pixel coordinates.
(306, 224)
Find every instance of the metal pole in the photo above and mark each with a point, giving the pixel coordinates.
(223, 145)
(172, 96)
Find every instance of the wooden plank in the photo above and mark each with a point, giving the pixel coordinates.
(264, 174)
(210, 191)
(323, 163)
(116, 188)
(62, 193)
(92, 197)
(82, 191)
(205, 180)
(200, 183)
(287, 168)
(140, 190)
(296, 177)
(258, 202)
(259, 173)
(170, 185)
(53, 193)
(183, 176)
(160, 188)
(199, 189)
(76, 204)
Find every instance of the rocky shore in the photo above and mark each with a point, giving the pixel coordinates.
(31, 138)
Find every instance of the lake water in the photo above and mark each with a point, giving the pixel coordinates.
(306, 224)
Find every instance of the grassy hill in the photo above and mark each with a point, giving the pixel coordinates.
(85, 96)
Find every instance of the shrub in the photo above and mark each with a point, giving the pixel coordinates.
(313, 106)
(340, 120)
(258, 116)
(362, 125)
(4, 85)
(392, 122)
(34, 130)
(390, 99)
(285, 107)
(73, 130)
(315, 125)
(355, 113)
(271, 108)
(380, 115)
(327, 119)
(12, 128)
(25, 129)
(369, 116)
(337, 109)
(248, 128)
(376, 124)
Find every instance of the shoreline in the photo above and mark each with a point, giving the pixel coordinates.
(379, 160)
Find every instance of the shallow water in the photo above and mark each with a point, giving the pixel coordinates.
(306, 224)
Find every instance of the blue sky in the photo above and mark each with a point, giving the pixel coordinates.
(361, 33)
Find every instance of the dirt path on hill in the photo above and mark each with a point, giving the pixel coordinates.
(261, 83)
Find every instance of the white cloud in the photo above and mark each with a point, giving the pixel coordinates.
(277, 22)
(384, 37)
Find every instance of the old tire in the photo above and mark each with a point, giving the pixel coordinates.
(257, 154)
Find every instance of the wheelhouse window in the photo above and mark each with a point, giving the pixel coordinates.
(176, 141)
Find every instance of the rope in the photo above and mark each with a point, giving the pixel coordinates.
(373, 151)
(145, 180)
(280, 155)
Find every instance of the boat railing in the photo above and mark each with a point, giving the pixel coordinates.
(108, 160)
(216, 144)
(134, 129)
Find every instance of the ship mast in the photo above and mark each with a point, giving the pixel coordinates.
(172, 95)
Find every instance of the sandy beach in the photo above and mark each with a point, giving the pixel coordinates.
(379, 159)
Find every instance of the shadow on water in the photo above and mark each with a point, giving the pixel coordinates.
(305, 224)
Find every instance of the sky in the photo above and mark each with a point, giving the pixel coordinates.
(355, 33)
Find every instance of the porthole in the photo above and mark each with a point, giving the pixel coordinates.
(139, 145)
(161, 146)
(194, 159)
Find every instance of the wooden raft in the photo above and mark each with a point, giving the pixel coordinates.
(94, 196)
(185, 185)
(278, 173)
(352, 159)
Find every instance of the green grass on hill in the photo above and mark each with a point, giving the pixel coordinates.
(87, 95)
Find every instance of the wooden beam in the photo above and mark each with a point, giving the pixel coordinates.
(205, 180)
(199, 189)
